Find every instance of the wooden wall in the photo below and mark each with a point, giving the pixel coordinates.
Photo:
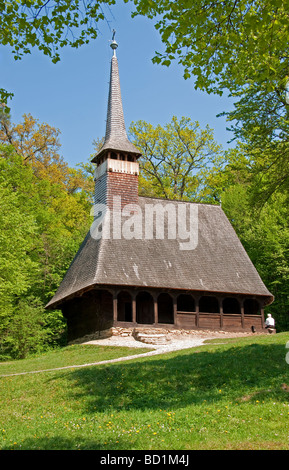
(100, 309)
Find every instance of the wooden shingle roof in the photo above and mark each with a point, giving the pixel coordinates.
(115, 136)
(218, 263)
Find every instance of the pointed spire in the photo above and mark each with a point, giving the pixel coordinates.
(115, 136)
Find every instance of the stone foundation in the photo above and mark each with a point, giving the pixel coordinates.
(159, 335)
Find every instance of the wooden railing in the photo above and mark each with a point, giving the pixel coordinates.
(226, 321)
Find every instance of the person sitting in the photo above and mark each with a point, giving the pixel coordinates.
(270, 322)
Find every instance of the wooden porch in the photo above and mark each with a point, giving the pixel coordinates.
(163, 310)
(100, 309)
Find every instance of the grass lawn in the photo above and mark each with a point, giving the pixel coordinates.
(233, 395)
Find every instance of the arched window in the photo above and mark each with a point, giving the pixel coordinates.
(165, 309)
(231, 305)
(185, 303)
(251, 307)
(209, 304)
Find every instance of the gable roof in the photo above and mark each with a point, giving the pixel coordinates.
(218, 263)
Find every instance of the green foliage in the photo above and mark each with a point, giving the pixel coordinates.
(26, 332)
(49, 25)
(173, 157)
(223, 44)
(42, 224)
(240, 47)
(264, 233)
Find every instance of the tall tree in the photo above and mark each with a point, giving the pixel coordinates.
(19, 239)
(238, 47)
(39, 146)
(265, 236)
(173, 156)
(42, 225)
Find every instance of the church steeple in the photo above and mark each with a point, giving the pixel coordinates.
(116, 138)
(117, 169)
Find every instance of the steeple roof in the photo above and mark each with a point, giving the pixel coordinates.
(116, 138)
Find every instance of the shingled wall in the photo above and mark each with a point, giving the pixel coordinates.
(124, 185)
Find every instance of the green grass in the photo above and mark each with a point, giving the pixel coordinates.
(233, 395)
(69, 356)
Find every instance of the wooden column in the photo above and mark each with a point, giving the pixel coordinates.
(221, 311)
(156, 316)
(262, 316)
(175, 310)
(114, 307)
(197, 312)
(133, 303)
(242, 314)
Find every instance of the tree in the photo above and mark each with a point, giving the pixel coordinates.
(42, 224)
(240, 47)
(18, 239)
(173, 156)
(225, 45)
(49, 24)
(261, 122)
(39, 146)
(265, 236)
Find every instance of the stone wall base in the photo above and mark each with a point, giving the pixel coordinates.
(159, 335)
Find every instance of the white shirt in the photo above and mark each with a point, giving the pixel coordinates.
(270, 321)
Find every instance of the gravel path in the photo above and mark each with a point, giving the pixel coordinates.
(130, 342)
(176, 343)
(127, 342)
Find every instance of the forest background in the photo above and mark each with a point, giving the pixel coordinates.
(239, 46)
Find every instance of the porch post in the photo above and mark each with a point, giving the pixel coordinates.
(197, 312)
(242, 314)
(221, 311)
(175, 310)
(262, 316)
(114, 307)
(156, 316)
(133, 303)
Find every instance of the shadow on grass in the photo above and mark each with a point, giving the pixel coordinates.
(189, 377)
(233, 372)
(60, 443)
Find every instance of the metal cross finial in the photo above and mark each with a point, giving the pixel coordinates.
(114, 44)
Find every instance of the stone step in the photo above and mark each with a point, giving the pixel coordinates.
(151, 338)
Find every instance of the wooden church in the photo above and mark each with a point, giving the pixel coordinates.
(147, 280)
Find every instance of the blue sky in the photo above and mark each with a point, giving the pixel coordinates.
(72, 94)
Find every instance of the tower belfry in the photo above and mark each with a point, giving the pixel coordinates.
(117, 167)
